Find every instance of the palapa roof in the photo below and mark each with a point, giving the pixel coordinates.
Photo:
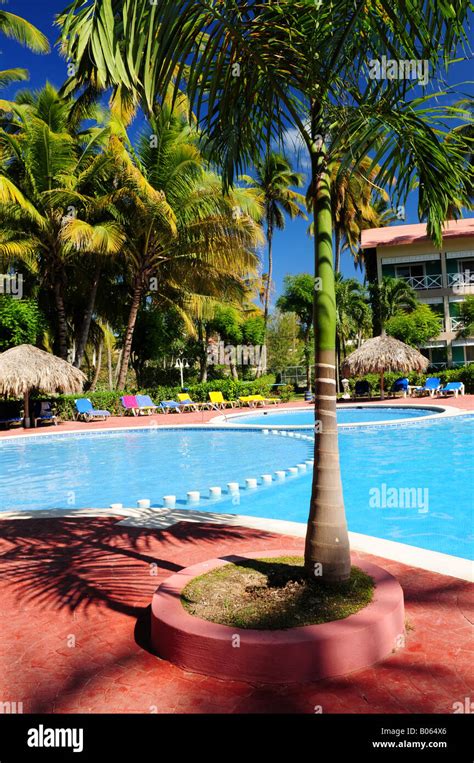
(383, 353)
(25, 368)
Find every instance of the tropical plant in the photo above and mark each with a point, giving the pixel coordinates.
(20, 30)
(352, 314)
(284, 344)
(414, 328)
(389, 297)
(297, 298)
(466, 313)
(255, 69)
(275, 179)
(20, 322)
(184, 245)
(49, 172)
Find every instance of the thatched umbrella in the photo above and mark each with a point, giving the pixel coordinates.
(381, 354)
(26, 368)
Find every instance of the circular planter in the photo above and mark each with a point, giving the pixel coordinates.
(296, 655)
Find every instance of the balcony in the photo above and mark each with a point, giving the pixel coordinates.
(424, 282)
(462, 282)
(455, 324)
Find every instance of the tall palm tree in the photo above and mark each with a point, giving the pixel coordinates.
(20, 30)
(390, 297)
(304, 68)
(49, 169)
(184, 246)
(276, 179)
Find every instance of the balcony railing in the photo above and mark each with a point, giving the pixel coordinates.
(456, 324)
(466, 278)
(424, 282)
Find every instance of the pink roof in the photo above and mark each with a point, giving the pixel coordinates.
(397, 235)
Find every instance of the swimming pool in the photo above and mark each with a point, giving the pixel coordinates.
(353, 415)
(434, 458)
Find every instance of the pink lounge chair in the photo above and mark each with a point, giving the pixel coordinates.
(130, 404)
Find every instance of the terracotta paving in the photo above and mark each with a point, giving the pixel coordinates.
(74, 605)
(465, 402)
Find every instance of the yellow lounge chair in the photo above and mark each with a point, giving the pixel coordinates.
(217, 401)
(263, 400)
(246, 400)
(190, 404)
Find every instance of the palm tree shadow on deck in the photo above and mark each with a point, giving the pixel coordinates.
(66, 563)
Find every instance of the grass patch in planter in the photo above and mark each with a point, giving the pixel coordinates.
(273, 594)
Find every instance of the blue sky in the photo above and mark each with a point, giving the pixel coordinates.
(293, 252)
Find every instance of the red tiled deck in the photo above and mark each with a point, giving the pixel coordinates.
(75, 597)
(465, 402)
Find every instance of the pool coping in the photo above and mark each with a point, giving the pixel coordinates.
(439, 412)
(162, 519)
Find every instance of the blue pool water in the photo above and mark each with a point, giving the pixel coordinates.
(344, 416)
(433, 457)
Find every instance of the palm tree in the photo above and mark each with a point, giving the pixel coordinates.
(302, 66)
(184, 246)
(390, 297)
(17, 28)
(275, 180)
(49, 171)
(352, 204)
(352, 314)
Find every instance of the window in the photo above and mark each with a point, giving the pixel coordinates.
(469, 349)
(410, 271)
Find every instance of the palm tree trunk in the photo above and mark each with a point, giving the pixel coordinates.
(203, 340)
(337, 241)
(117, 367)
(338, 364)
(327, 551)
(266, 304)
(127, 345)
(268, 286)
(97, 367)
(61, 317)
(86, 322)
(307, 357)
(109, 366)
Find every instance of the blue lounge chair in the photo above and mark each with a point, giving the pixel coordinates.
(43, 413)
(452, 388)
(431, 386)
(145, 404)
(86, 411)
(400, 385)
(362, 388)
(171, 405)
